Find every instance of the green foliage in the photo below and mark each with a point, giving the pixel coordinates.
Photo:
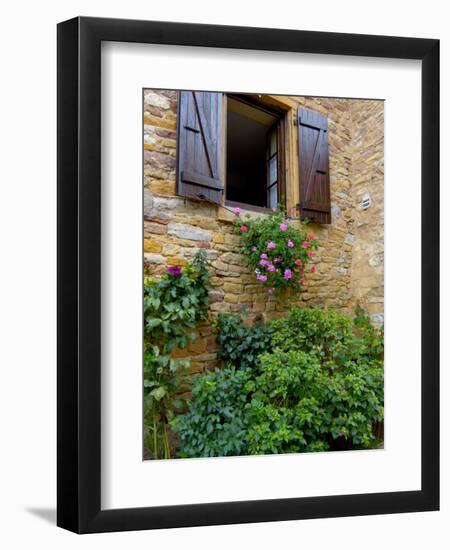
(284, 414)
(327, 334)
(319, 380)
(299, 404)
(277, 249)
(333, 337)
(173, 305)
(215, 425)
(241, 344)
(372, 338)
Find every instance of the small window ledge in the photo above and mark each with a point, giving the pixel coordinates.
(226, 213)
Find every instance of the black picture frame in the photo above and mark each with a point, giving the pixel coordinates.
(79, 281)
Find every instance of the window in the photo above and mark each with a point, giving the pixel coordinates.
(253, 171)
(231, 149)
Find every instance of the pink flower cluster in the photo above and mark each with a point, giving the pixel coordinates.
(286, 264)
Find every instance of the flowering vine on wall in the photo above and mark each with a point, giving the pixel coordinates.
(278, 250)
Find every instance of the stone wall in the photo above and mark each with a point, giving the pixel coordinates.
(350, 257)
(368, 180)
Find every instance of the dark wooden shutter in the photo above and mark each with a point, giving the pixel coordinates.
(199, 170)
(314, 173)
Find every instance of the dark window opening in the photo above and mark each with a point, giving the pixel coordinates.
(253, 171)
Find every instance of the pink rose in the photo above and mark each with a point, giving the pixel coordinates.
(283, 226)
(298, 262)
(271, 245)
(310, 254)
(313, 269)
(311, 236)
(244, 228)
(305, 244)
(290, 244)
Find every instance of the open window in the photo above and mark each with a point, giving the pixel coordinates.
(231, 149)
(254, 158)
(247, 134)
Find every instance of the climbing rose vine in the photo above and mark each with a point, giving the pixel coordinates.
(277, 249)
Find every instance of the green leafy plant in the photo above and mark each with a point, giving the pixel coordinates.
(173, 305)
(332, 336)
(214, 424)
(325, 333)
(285, 413)
(373, 338)
(278, 249)
(241, 344)
(299, 404)
(317, 385)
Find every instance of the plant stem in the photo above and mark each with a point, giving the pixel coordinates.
(155, 438)
(166, 441)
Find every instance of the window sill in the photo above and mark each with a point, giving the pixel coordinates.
(225, 213)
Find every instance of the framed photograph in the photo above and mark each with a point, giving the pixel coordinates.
(248, 259)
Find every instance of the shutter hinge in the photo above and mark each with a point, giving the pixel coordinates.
(191, 129)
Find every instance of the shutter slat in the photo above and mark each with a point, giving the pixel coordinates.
(202, 181)
(199, 166)
(314, 166)
(309, 205)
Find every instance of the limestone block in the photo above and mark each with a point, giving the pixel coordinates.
(188, 232)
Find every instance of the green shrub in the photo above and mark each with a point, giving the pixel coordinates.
(313, 330)
(330, 335)
(299, 404)
(240, 344)
(319, 380)
(284, 415)
(216, 424)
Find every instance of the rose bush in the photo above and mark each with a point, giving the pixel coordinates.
(277, 249)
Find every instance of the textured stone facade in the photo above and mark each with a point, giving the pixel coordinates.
(368, 182)
(350, 257)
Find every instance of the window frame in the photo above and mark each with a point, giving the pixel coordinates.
(264, 103)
